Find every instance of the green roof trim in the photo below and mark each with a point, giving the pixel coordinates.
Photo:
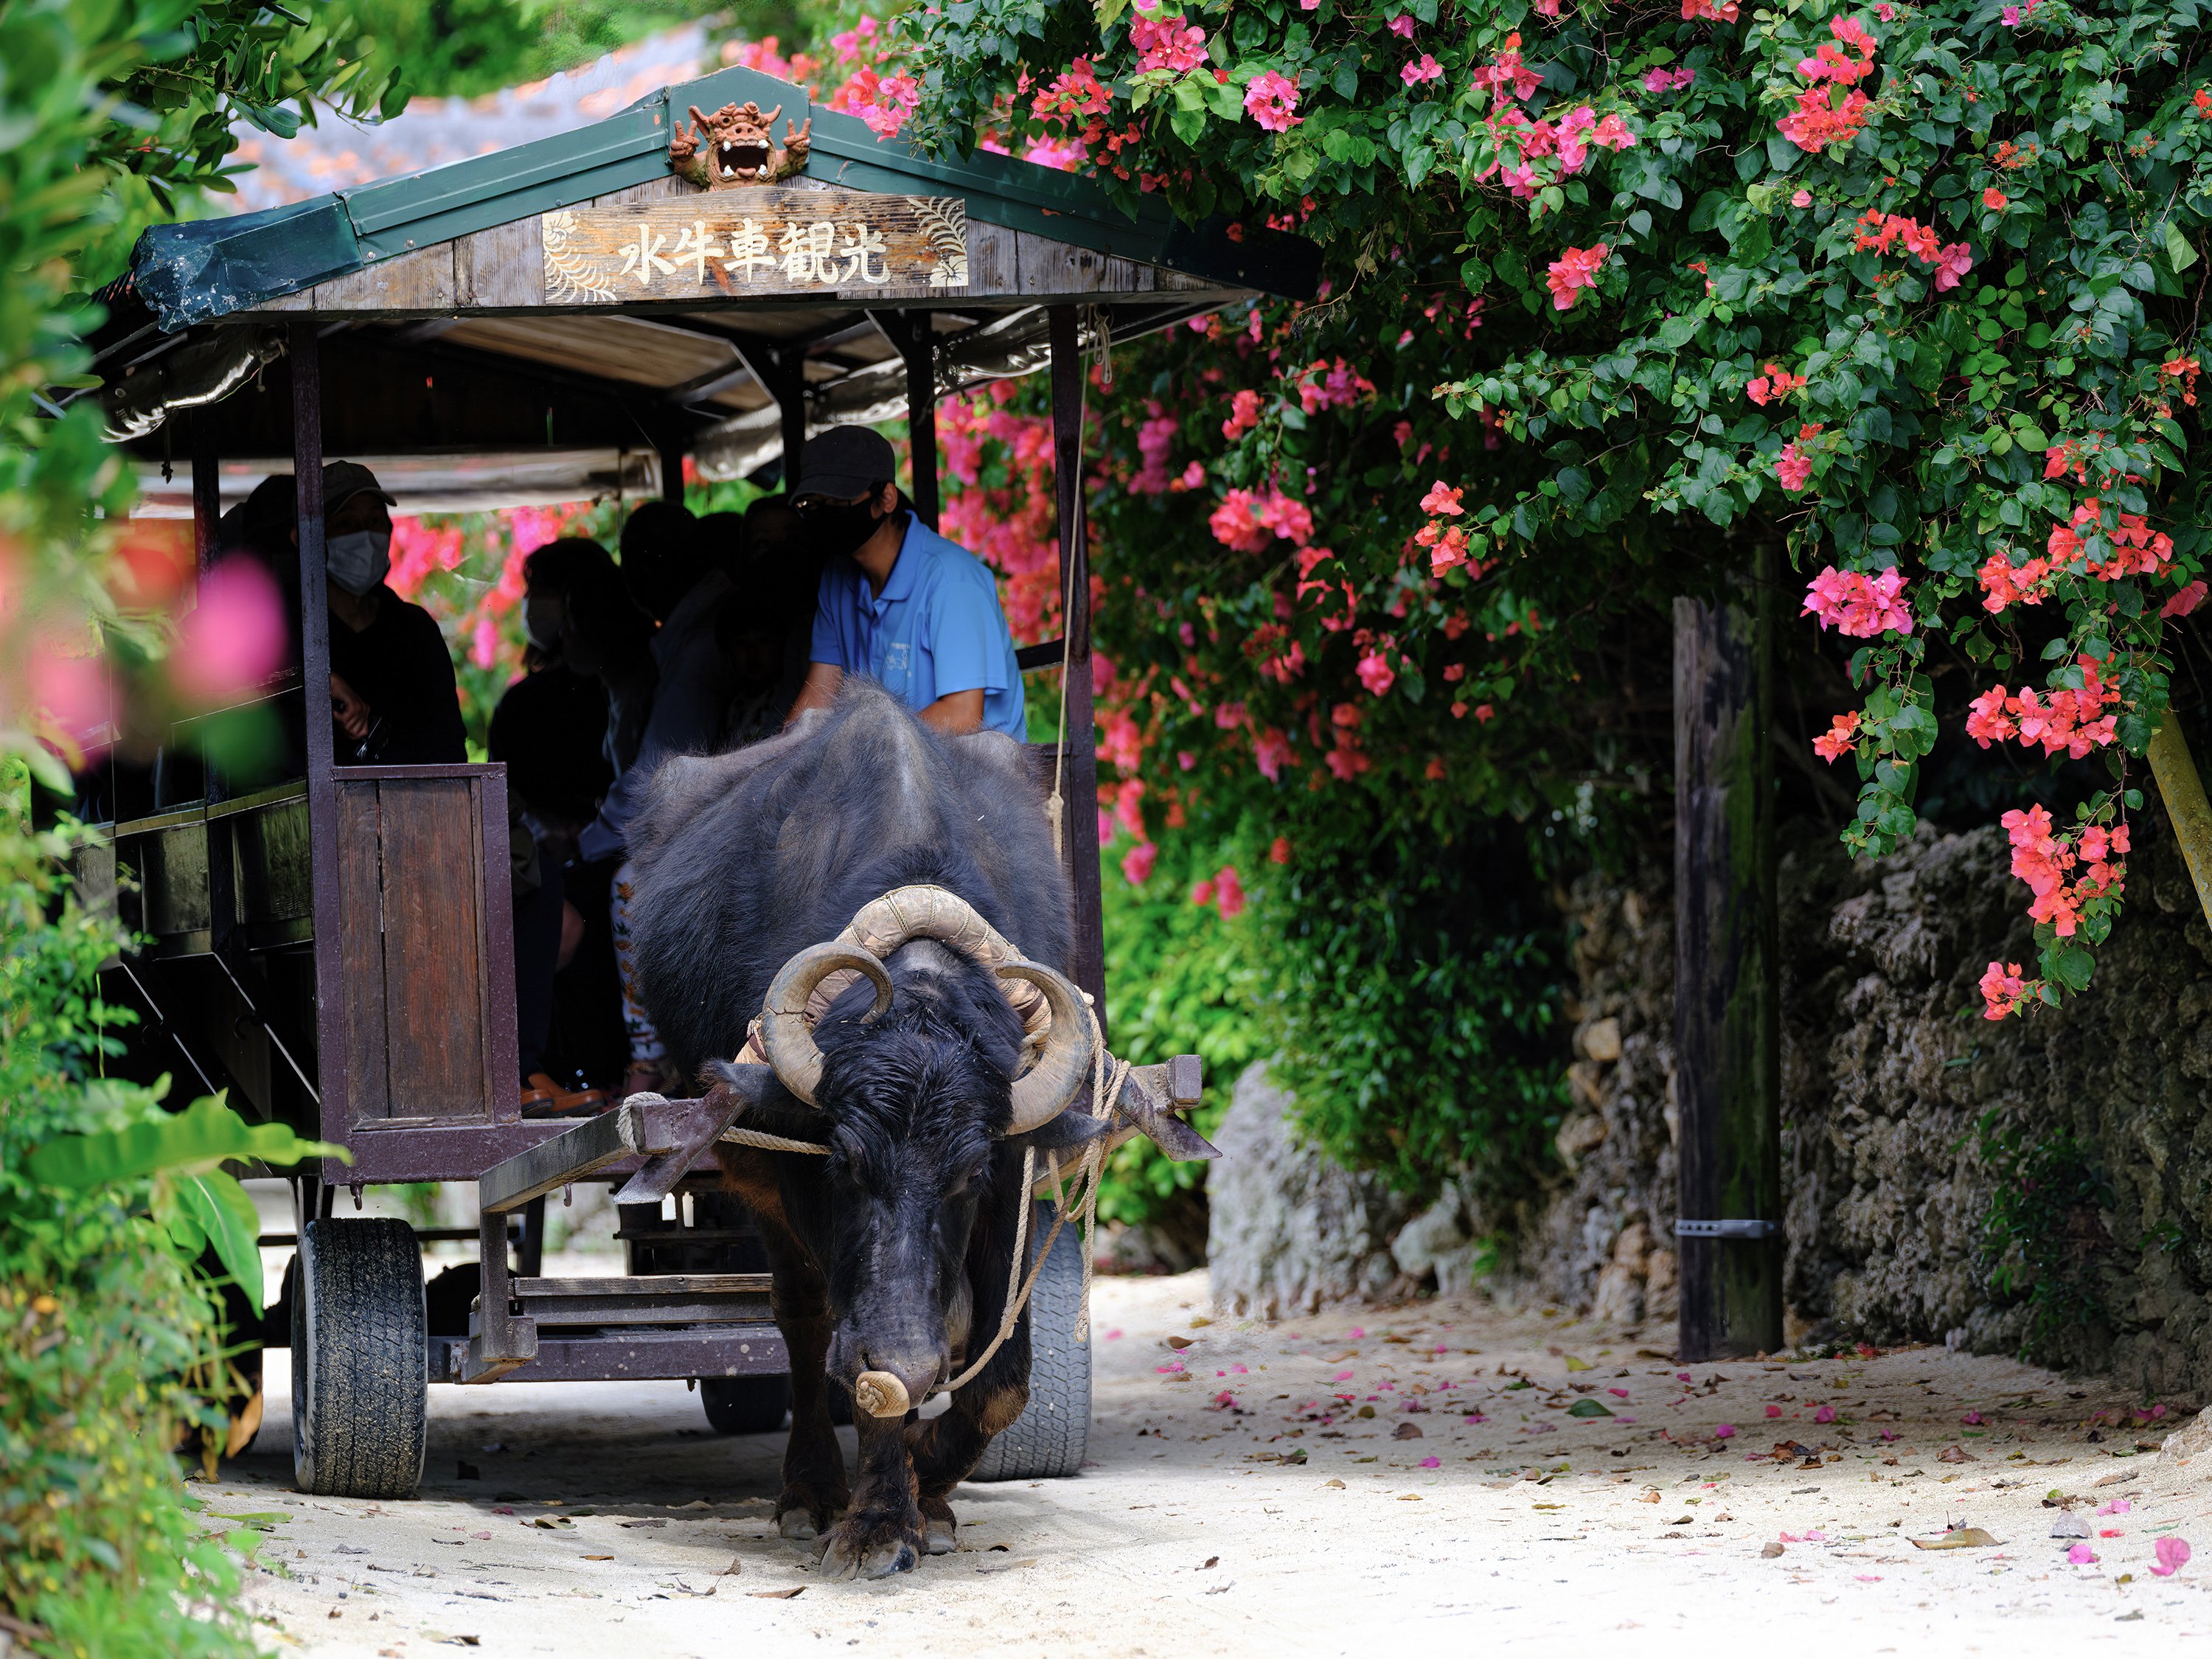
(211, 268)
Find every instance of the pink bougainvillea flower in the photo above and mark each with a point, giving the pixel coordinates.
(1273, 101)
(1432, 1463)
(234, 638)
(1167, 43)
(1995, 199)
(1794, 468)
(897, 97)
(1826, 1414)
(1402, 26)
(1442, 498)
(1575, 270)
(2117, 1506)
(1973, 1419)
(1424, 68)
(1774, 1410)
(2184, 602)
(2173, 1556)
(1375, 673)
(1860, 606)
(1136, 863)
(2082, 1556)
(1724, 1431)
(1804, 198)
(1953, 262)
(1832, 746)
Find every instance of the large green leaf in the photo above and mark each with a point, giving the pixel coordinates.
(224, 1214)
(205, 1135)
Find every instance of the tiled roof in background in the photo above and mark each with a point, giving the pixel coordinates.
(434, 131)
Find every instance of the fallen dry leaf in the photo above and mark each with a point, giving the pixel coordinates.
(598, 1558)
(1406, 1431)
(1179, 1343)
(1007, 1563)
(1956, 1454)
(1772, 1549)
(1339, 1484)
(737, 1565)
(1963, 1538)
(779, 1596)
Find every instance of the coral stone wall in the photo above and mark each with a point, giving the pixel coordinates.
(1889, 1071)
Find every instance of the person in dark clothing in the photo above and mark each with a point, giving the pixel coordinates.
(393, 695)
(550, 726)
(783, 575)
(550, 730)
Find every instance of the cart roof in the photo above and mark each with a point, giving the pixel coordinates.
(479, 308)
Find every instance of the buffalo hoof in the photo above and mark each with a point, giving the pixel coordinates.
(938, 1526)
(868, 1551)
(798, 1525)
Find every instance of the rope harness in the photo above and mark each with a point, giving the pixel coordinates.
(1108, 1075)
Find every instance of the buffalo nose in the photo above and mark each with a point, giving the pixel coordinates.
(892, 1384)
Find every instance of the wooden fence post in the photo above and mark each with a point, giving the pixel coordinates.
(1727, 993)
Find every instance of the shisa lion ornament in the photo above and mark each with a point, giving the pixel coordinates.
(739, 147)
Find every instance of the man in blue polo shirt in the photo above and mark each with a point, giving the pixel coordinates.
(899, 604)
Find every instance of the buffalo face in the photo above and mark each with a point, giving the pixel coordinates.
(917, 1107)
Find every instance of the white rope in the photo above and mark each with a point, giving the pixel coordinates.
(768, 1143)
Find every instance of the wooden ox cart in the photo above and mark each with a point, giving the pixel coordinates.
(570, 317)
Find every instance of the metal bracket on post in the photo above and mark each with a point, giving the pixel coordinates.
(1728, 1229)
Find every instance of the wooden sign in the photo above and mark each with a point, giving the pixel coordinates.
(754, 242)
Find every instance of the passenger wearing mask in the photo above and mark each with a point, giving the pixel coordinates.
(392, 692)
(550, 729)
(898, 602)
(551, 725)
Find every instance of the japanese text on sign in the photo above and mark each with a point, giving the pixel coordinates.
(777, 241)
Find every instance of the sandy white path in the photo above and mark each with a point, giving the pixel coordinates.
(1639, 1532)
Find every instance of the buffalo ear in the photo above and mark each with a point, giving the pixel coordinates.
(1071, 1129)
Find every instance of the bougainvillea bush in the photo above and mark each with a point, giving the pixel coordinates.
(1910, 290)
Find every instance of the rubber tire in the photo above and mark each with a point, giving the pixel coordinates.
(361, 1404)
(746, 1405)
(1047, 1442)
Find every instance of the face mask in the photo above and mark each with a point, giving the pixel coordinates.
(359, 560)
(541, 620)
(836, 531)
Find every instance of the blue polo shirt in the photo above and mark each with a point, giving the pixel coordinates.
(936, 628)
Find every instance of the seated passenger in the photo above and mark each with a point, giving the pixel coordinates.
(392, 691)
(668, 574)
(550, 730)
(551, 725)
(899, 602)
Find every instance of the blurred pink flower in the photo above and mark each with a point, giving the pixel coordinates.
(2173, 1555)
(234, 638)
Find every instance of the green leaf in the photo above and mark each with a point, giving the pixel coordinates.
(1108, 12)
(225, 1215)
(1587, 1409)
(2178, 253)
(205, 1135)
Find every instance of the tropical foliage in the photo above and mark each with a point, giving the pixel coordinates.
(1904, 290)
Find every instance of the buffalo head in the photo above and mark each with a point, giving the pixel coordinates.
(912, 1070)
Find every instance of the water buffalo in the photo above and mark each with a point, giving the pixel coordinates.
(890, 1254)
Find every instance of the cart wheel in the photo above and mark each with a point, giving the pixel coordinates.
(1048, 1439)
(360, 1360)
(745, 1405)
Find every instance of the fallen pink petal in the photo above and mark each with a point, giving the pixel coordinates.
(2173, 1555)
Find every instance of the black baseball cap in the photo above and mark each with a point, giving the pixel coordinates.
(846, 461)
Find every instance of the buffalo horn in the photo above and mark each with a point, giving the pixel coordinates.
(790, 1047)
(1060, 1070)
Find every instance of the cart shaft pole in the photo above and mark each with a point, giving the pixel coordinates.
(1081, 788)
